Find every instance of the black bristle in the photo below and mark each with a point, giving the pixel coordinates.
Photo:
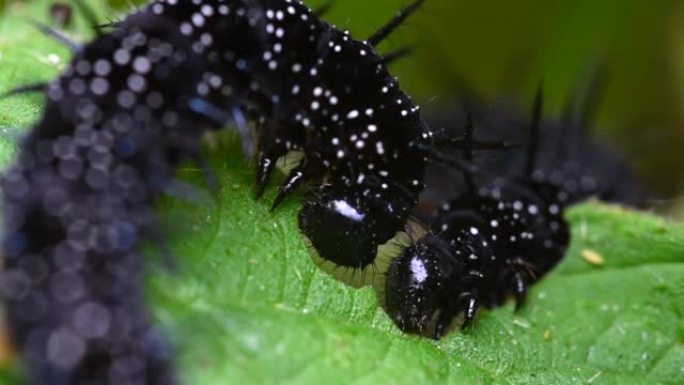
(395, 55)
(384, 31)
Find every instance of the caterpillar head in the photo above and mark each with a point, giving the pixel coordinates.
(417, 283)
(347, 228)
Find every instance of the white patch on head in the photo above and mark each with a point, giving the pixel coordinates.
(348, 211)
(418, 270)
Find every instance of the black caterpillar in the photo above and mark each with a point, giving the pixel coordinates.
(565, 152)
(503, 227)
(78, 201)
(132, 105)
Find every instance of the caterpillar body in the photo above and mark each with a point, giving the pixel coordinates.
(502, 229)
(132, 105)
(78, 201)
(313, 89)
(484, 247)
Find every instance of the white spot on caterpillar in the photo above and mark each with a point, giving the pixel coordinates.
(198, 20)
(186, 29)
(533, 209)
(418, 270)
(99, 86)
(121, 56)
(207, 10)
(141, 65)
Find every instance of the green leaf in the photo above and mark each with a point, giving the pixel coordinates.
(248, 304)
(245, 304)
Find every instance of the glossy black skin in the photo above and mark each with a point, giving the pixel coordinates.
(347, 226)
(312, 88)
(485, 247)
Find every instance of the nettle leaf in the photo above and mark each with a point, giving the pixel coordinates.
(245, 304)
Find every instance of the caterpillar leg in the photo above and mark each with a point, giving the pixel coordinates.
(443, 323)
(266, 161)
(470, 306)
(520, 289)
(523, 274)
(293, 180)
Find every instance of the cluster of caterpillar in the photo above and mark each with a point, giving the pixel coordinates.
(131, 106)
(135, 102)
(500, 225)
